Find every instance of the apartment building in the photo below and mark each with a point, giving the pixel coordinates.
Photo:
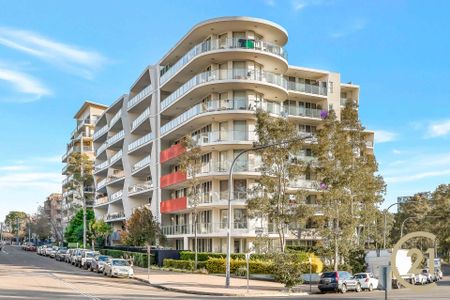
(207, 86)
(52, 209)
(81, 141)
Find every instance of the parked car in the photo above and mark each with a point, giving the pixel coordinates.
(61, 254)
(86, 258)
(439, 273)
(52, 251)
(41, 250)
(421, 279)
(118, 267)
(340, 281)
(367, 281)
(77, 257)
(431, 277)
(48, 250)
(98, 263)
(69, 255)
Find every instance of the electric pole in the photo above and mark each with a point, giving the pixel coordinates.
(17, 232)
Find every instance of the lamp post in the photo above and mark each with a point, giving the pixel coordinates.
(230, 192)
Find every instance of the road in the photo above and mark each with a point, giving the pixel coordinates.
(25, 275)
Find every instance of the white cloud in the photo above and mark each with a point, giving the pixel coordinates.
(384, 136)
(397, 152)
(298, 5)
(355, 26)
(13, 168)
(68, 57)
(415, 177)
(28, 180)
(24, 83)
(270, 2)
(438, 129)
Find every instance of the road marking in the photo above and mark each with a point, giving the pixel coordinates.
(67, 284)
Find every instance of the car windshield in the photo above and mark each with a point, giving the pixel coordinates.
(89, 254)
(425, 271)
(102, 258)
(360, 276)
(328, 275)
(120, 263)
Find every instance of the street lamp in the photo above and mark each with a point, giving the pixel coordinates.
(413, 217)
(230, 191)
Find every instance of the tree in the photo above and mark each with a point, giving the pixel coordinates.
(99, 229)
(350, 189)
(143, 229)
(41, 224)
(74, 230)
(275, 197)
(190, 163)
(11, 221)
(440, 221)
(288, 267)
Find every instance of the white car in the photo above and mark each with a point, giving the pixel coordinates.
(86, 259)
(367, 281)
(118, 267)
(421, 279)
(439, 273)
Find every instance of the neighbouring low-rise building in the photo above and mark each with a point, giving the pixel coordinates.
(81, 141)
(208, 86)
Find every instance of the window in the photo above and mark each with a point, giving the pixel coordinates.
(331, 86)
(239, 130)
(224, 190)
(203, 245)
(242, 162)
(239, 70)
(223, 40)
(239, 100)
(240, 189)
(223, 218)
(240, 218)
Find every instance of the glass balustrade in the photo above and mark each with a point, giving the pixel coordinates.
(101, 131)
(142, 163)
(140, 187)
(101, 166)
(115, 138)
(115, 118)
(206, 228)
(139, 97)
(141, 141)
(116, 157)
(220, 44)
(303, 112)
(140, 119)
(235, 74)
(320, 89)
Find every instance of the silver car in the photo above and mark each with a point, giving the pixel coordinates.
(118, 267)
(98, 263)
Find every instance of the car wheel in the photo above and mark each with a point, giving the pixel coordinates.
(358, 288)
(343, 289)
(370, 287)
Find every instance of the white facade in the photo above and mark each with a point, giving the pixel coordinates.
(207, 86)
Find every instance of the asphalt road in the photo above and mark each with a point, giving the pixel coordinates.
(25, 275)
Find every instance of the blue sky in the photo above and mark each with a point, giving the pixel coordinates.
(55, 54)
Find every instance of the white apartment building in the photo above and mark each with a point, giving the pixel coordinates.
(207, 86)
(81, 140)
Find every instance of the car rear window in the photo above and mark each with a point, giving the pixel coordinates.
(103, 258)
(360, 276)
(328, 275)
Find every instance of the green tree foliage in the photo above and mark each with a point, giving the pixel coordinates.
(287, 268)
(99, 230)
(275, 197)
(11, 221)
(143, 229)
(80, 166)
(350, 189)
(190, 163)
(74, 230)
(441, 220)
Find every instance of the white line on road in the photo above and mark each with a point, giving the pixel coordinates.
(67, 284)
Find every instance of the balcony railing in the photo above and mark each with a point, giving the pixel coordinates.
(101, 166)
(115, 118)
(216, 44)
(117, 195)
(140, 187)
(139, 97)
(102, 183)
(173, 205)
(320, 89)
(206, 228)
(234, 74)
(140, 164)
(172, 178)
(224, 166)
(142, 117)
(117, 176)
(67, 179)
(216, 197)
(114, 216)
(304, 112)
(171, 152)
(224, 136)
(101, 200)
(201, 108)
(116, 157)
(101, 131)
(304, 184)
(115, 138)
(141, 141)
(101, 148)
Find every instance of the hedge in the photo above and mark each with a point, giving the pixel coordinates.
(183, 264)
(140, 259)
(217, 265)
(203, 256)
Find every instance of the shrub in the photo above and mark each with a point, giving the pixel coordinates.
(139, 259)
(288, 267)
(178, 264)
(217, 265)
(203, 256)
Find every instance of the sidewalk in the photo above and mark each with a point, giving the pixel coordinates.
(214, 285)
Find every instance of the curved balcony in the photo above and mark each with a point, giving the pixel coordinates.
(101, 184)
(218, 199)
(140, 188)
(140, 165)
(102, 201)
(310, 90)
(116, 157)
(118, 176)
(272, 85)
(115, 138)
(140, 119)
(116, 216)
(237, 48)
(115, 119)
(212, 229)
(100, 167)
